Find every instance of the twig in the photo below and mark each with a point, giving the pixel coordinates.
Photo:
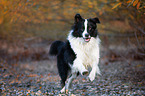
(138, 41)
(141, 30)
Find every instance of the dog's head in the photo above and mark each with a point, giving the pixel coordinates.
(85, 28)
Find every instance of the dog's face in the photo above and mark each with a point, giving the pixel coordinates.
(85, 28)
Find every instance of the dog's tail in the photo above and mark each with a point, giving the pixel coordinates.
(55, 47)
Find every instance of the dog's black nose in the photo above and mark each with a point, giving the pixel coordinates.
(86, 35)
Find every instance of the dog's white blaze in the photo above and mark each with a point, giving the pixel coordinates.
(87, 54)
(85, 24)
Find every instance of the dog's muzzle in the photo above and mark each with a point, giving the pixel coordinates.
(87, 37)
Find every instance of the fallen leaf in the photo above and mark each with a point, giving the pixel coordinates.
(32, 75)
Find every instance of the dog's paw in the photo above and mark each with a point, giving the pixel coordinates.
(85, 72)
(91, 77)
(63, 90)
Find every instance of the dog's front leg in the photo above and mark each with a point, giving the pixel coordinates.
(78, 66)
(95, 69)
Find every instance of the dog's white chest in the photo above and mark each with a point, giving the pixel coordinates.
(87, 53)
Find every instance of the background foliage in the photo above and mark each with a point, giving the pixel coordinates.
(24, 20)
(37, 17)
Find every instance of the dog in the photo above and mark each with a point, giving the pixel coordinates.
(79, 52)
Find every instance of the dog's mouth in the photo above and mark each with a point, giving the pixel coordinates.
(87, 39)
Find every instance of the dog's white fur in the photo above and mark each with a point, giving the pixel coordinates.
(85, 31)
(87, 55)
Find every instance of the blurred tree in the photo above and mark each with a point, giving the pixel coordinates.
(134, 11)
(31, 17)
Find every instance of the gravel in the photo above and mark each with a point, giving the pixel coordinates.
(41, 78)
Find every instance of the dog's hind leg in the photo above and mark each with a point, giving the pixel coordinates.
(69, 83)
(63, 77)
(74, 75)
(63, 70)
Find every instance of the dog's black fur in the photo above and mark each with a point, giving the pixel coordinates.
(63, 50)
(65, 55)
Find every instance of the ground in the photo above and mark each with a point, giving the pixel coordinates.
(33, 72)
(41, 78)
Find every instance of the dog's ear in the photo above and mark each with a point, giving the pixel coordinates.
(96, 20)
(78, 18)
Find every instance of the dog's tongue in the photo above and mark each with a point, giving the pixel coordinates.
(87, 39)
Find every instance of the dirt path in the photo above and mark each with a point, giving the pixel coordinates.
(41, 78)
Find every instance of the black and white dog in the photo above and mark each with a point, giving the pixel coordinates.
(79, 52)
